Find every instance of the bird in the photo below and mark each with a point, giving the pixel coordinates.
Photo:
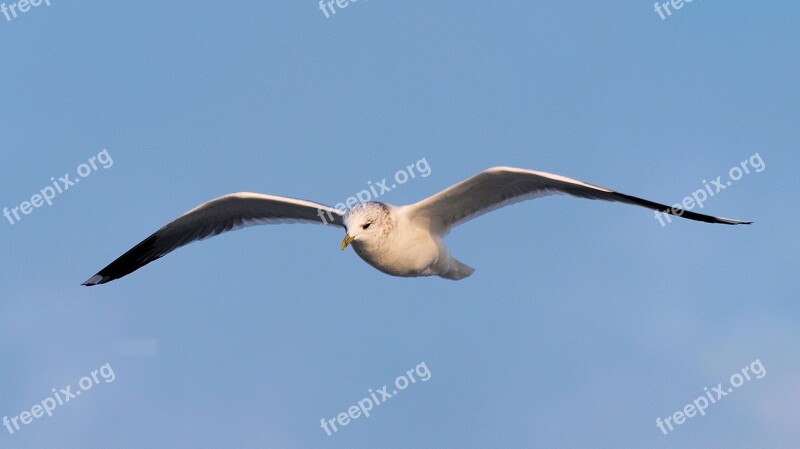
(405, 241)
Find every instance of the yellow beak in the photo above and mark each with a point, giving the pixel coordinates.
(346, 241)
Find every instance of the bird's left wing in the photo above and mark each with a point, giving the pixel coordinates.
(226, 213)
(500, 186)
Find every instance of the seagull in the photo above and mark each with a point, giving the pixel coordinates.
(404, 241)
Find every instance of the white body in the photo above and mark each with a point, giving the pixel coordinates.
(408, 249)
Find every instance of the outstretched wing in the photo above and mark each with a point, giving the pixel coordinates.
(500, 186)
(223, 214)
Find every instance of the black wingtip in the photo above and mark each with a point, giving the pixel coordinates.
(95, 280)
(729, 221)
(137, 257)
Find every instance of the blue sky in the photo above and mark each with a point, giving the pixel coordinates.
(584, 322)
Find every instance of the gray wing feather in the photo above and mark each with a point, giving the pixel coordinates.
(223, 214)
(500, 186)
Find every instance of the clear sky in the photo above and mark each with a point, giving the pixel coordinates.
(585, 321)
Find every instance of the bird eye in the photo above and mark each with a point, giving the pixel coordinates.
(365, 226)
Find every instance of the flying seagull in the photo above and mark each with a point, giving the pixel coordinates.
(397, 240)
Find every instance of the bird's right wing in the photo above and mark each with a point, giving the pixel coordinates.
(226, 213)
(500, 186)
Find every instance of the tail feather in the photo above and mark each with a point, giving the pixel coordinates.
(457, 271)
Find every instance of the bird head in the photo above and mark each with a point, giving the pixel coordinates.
(366, 223)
